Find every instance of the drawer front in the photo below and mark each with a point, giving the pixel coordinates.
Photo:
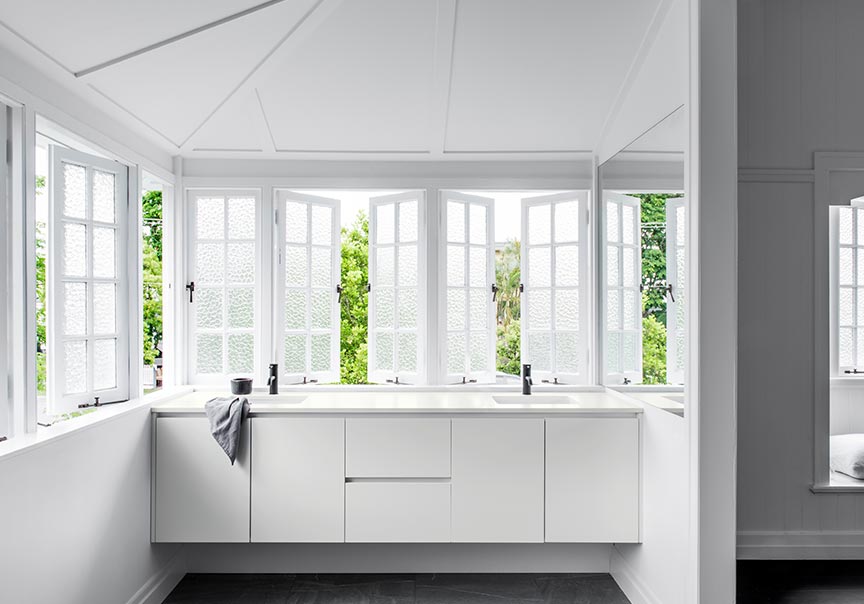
(397, 512)
(397, 448)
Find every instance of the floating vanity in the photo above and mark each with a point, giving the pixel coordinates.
(401, 467)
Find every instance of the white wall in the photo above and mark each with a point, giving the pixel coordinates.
(800, 85)
(76, 519)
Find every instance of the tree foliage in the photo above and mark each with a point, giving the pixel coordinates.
(151, 214)
(508, 277)
(355, 301)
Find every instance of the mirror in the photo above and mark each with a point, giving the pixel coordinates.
(643, 258)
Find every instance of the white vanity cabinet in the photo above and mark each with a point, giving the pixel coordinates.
(199, 497)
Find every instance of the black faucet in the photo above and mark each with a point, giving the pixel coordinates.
(273, 381)
(526, 378)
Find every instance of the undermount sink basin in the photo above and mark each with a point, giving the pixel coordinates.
(533, 399)
(277, 399)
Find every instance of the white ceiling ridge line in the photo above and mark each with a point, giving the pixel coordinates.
(132, 115)
(35, 47)
(326, 7)
(263, 124)
(442, 76)
(175, 38)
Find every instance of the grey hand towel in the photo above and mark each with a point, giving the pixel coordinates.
(226, 415)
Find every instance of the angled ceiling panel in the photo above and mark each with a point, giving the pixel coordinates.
(540, 75)
(236, 126)
(175, 88)
(361, 83)
(107, 29)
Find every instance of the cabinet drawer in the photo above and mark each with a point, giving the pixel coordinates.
(397, 448)
(397, 512)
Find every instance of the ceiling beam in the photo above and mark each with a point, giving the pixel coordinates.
(442, 74)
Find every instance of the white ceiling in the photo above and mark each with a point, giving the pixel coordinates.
(411, 79)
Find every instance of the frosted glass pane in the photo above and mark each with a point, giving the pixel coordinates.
(104, 364)
(845, 229)
(104, 247)
(613, 352)
(567, 352)
(630, 278)
(241, 353)
(407, 352)
(384, 351)
(296, 219)
(75, 367)
(104, 308)
(295, 354)
(455, 222)
(241, 262)
(241, 218)
(75, 309)
(679, 349)
(295, 309)
(74, 197)
(540, 351)
(103, 196)
(613, 266)
(322, 301)
(385, 223)
(209, 353)
(321, 352)
(456, 305)
(479, 358)
(74, 250)
(859, 224)
(567, 309)
(613, 221)
(539, 309)
(681, 269)
(631, 309)
(477, 221)
(210, 218)
(408, 308)
(208, 307)
(456, 353)
(210, 262)
(847, 308)
(477, 276)
(322, 267)
(385, 308)
(407, 265)
(847, 347)
(630, 348)
(241, 310)
(567, 266)
(479, 309)
(296, 267)
(860, 265)
(408, 221)
(539, 267)
(846, 273)
(613, 309)
(628, 224)
(384, 267)
(681, 225)
(859, 303)
(859, 361)
(539, 224)
(322, 225)
(455, 265)
(567, 221)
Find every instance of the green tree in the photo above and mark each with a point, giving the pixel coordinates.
(508, 278)
(41, 291)
(653, 351)
(151, 214)
(355, 301)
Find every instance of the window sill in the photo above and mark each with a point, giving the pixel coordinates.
(839, 483)
(848, 382)
(284, 389)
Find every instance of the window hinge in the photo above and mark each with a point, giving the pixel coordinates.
(465, 380)
(368, 287)
(190, 287)
(853, 371)
(494, 292)
(339, 290)
(521, 288)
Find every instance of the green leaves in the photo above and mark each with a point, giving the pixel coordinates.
(355, 301)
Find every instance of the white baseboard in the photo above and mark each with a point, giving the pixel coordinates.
(158, 586)
(634, 587)
(800, 545)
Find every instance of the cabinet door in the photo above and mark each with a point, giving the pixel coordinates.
(497, 480)
(592, 480)
(200, 497)
(298, 479)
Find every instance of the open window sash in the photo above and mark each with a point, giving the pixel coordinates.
(622, 311)
(847, 292)
(308, 289)
(87, 280)
(676, 279)
(468, 306)
(397, 292)
(554, 313)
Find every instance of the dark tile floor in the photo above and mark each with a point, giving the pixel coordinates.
(800, 582)
(398, 589)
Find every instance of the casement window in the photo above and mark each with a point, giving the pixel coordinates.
(397, 292)
(555, 277)
(676, 278)
(5, 277)
(308, 287)
(223, 284)
(847, 299)
(468, 305)
(87, 280)
(623, 299)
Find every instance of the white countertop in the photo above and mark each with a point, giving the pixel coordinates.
(454, 402)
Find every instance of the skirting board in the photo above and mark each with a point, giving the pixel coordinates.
(157, 587)
(636, 590)
(801, 545)
(396, 558)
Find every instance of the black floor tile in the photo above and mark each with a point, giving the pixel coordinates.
(800, 582)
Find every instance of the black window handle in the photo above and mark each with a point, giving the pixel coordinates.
(494, 292)
(191, 288)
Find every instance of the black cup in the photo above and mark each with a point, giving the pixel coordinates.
(241, 385)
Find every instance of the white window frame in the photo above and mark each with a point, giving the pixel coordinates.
(6, 411)
(280, 288)
(58, 401)
(856, 286)
(676, 300)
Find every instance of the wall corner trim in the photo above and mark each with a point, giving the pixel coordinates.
(162, 582)
(633, 586)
